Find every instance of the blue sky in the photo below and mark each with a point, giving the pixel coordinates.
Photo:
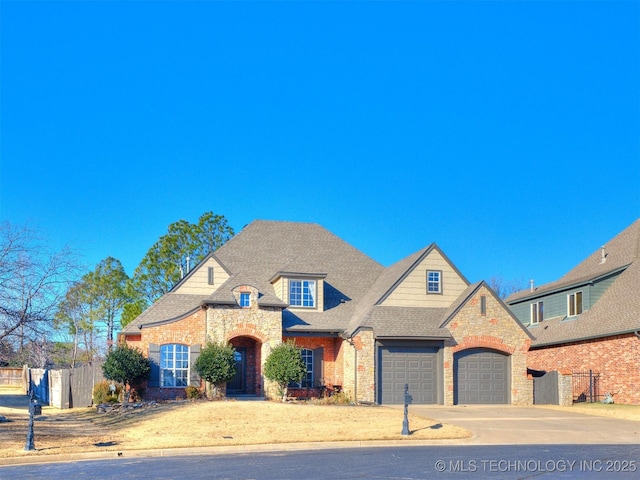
(505, 131)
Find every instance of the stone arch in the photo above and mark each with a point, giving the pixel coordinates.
(484, 341)
(248, 379)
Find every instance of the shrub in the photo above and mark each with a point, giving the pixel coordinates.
(335, 399)
(216, 364)
(285, 365)
(192, 392)
(126, 365)
(102, 393)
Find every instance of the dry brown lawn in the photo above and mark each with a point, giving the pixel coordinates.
(204, 423)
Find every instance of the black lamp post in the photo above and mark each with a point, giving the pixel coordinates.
(34, 409)
(407, 400)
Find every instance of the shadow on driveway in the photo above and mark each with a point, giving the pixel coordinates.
(12, 400)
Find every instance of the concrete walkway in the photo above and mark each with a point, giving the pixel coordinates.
(509, 425)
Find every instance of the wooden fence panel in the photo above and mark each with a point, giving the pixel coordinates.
(82, 381)
(59, 388)
(10, 377)
(545, 389)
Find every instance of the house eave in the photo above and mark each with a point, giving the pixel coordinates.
(304, 275)
(543, 292)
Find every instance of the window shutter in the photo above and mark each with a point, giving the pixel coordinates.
(194, 378)
(154, 358)
(318, 373)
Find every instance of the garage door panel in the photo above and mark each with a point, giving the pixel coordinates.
(415, 366)
(481, 377)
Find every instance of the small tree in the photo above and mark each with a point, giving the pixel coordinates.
(217, 365)
(285, 365)
(126, 365)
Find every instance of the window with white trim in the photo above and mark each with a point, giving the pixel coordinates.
(537, 312)
(245, 299)
(174, 365)
(307, 380)
(302, 293)
(574, 304)
(434, 281)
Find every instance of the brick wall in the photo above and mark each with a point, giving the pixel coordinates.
(187, 331)
(496, 330)
(616, 359)
(329, 354)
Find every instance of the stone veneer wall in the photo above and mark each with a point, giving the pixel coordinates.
(615, 358)
(496, 330)
(263, 324)
(362, 355)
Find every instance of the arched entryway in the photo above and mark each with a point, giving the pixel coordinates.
(248, 373)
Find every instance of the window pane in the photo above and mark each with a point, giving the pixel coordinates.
(578, 303)
(295, 292)
(174, 365)
(433, 282)
(572, 305)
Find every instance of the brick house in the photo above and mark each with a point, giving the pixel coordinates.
(589, 320)
(363, 328)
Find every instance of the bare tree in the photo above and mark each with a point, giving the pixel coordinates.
(33, 280)
(504, 288)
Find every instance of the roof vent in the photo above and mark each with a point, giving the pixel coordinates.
(531, 287)
(603, 254)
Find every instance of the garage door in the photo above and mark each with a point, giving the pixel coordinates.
(481, 376)
(416, 366)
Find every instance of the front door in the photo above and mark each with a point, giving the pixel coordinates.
(238, 384)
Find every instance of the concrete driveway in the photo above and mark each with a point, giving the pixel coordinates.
(509, 425)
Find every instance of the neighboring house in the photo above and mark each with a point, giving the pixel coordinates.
(589, 320)
(363, 328)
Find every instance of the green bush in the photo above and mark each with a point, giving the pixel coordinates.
(285, 365)
(126, 365)
(216, 364)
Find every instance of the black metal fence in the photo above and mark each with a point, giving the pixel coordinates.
(586, 386)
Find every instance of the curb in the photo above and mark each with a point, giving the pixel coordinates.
(29, 459)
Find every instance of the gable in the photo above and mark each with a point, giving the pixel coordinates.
(411, 290)
(198, 280)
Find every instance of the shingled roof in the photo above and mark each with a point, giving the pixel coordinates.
(264, 248)
(618, 309)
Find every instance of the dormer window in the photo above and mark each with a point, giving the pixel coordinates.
(574, 304)
(537, 312)
(245, 299)
(302, 293)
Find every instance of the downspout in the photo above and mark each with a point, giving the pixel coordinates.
(355, 368)
(637, 333)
